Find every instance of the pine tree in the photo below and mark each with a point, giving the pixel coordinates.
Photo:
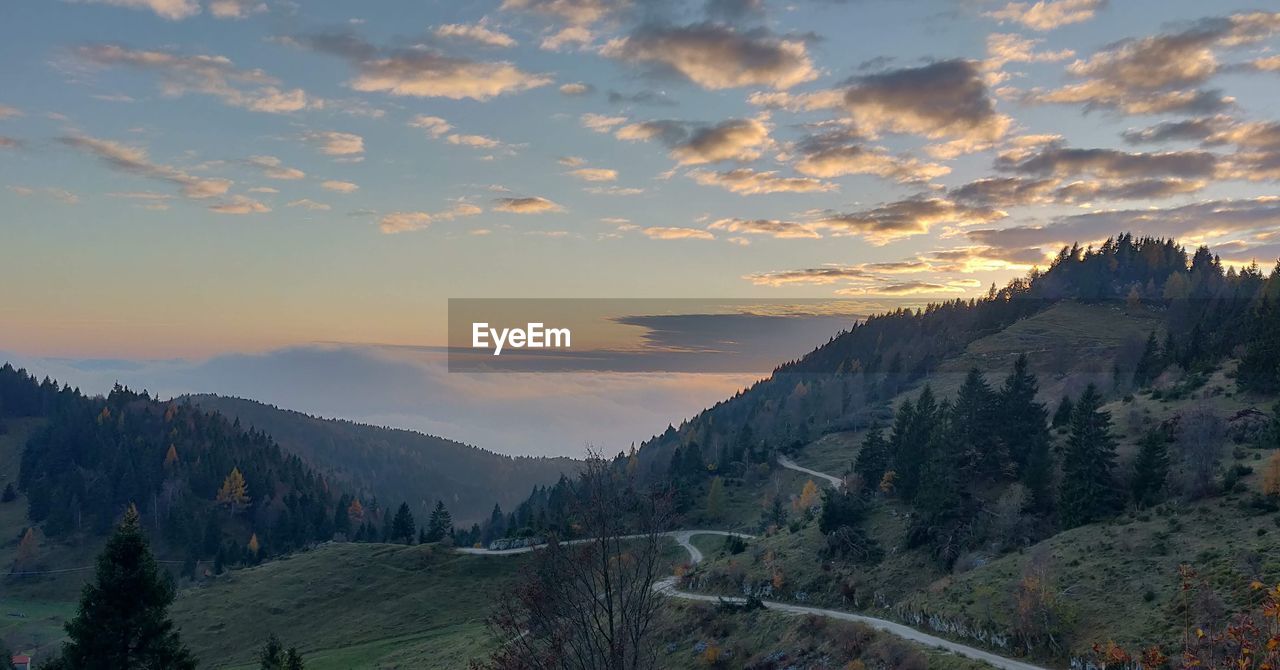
(234, 492)
(1062, 416)
(293, 660)
(9, 494)
(1151, 364)
(974, 433)
(873, 458)
(440, 524)
(1150, 468)
(403, 527)
(1025, 433)
(1088, 491)
(912, 431)
(123, 620)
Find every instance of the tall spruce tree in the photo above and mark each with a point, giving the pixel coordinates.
(123, 623)
(912, 431)
(1150, 468)
(942, 504)
(973, 430)
(1062, 415)
(1088, 489)
(1024, 430)
(402, 526)
(1151, 364)
(440, 524)
(873, 459)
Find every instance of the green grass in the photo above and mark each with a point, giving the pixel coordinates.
(350, 606)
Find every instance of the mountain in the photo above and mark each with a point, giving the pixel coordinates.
(206, 488)
(398, 465)
(1089, 454)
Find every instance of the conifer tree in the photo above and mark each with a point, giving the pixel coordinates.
(1150, 468)
(913, 430)
(440, 524)
(234, 492)
(873, 458)
(1025, 434)
(403, 527)
(9, 494)
(1062, 416)
(1088, 491)
(974, 433)
(293, 660)
(123, 622)
(1151, 363)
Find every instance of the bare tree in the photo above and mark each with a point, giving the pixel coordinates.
(1201, 434)
(590, 604)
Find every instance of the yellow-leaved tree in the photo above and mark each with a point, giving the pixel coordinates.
(234, 492)
(809, 497)
(253, 544)
(1271, 476)
(171, 457)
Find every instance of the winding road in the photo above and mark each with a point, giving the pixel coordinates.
(667, 587)
(789, 464)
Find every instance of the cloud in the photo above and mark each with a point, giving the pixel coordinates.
(8, 112)
(274, 168)
(570, 35)
(9, 142)
(235, 9)
(715, 56)
(573, 12)
(1257, 143)
(134, 160)
(530, 205)
(1214, 217)
(691, 144)
(307, 203)
(339, 186)
(1057, 160)
(1004, 48)
(600, 123)
(401, 222)
(423, 72)
(745, 181)
(576, 88)
(905, 288)
(837, 153)
(905, 218)
(60, 194)
(434, 125)
(784, 230)
(614, 190)
(1161, 73)
(947, 99)
(475, 32)
(474, 141)
(174, 10)
(823, 275)
(666, 233)
(655, 98)
(239, 205)
(999, 192)
(212, 75)
(1048, 14)
(595, 174)
(333, 143)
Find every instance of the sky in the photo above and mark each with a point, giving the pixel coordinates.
(191, 182)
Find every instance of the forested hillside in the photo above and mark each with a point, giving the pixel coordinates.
(1028, 470)
(208, 489)
(400, 465)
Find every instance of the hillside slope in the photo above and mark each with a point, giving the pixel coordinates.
(399, 465)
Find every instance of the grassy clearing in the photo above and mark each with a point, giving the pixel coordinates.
(350, 606)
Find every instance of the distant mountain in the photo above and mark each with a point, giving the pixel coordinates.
(398, 465)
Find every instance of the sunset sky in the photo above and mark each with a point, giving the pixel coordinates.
(186, 179)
